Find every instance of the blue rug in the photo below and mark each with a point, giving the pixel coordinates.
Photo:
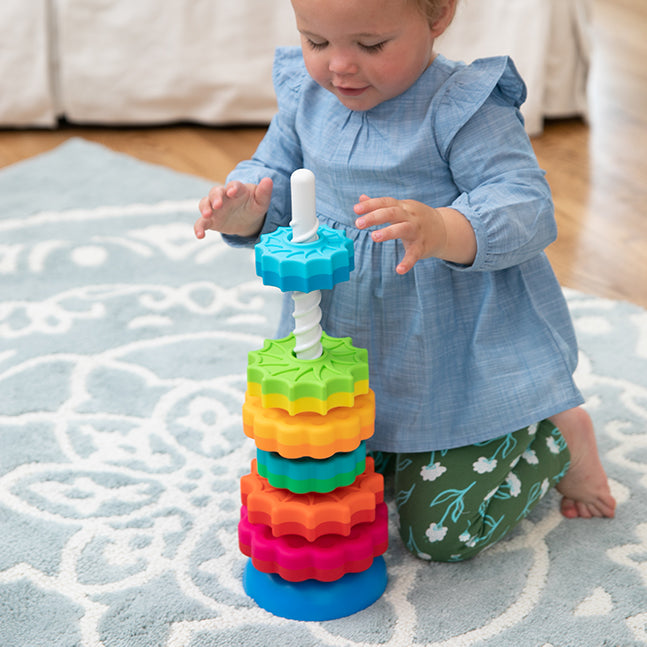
(123, 349)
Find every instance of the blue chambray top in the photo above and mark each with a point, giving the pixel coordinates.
(457, 354)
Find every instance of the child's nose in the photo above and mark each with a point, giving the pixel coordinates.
(341, 63)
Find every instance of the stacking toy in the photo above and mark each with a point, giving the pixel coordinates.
(313, 521)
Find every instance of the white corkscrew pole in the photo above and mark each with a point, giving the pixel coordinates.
(304, 223)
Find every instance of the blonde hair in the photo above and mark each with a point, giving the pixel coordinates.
(430, 9)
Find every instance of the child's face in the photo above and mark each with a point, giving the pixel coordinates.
(364, 51)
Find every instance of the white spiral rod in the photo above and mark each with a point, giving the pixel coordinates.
(304, 223)
(307, 324)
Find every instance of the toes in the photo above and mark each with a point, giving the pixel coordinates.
(569, 508)
(585, 511)
(609, 507)
(572, 509)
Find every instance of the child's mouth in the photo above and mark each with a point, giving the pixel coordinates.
(351, 92)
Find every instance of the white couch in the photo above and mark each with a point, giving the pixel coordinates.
(122, 62)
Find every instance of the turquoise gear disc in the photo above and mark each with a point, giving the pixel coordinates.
(308, 474)
(304, 267)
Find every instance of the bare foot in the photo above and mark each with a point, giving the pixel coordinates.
(585, 487)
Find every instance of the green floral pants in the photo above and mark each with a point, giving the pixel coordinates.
(454, 503)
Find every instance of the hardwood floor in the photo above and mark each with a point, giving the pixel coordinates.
(598, 172)
(208, 152)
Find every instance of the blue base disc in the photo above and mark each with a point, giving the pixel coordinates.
(314, 600)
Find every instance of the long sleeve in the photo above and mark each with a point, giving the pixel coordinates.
(503, 192)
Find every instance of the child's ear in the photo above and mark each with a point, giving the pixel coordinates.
(444, 17)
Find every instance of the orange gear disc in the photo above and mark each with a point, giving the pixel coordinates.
(313, 514)
(308, 433)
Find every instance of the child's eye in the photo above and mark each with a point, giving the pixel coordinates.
(373, 49)
(316, 46)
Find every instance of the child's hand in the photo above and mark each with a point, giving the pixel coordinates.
(424, 231)
(237, 208)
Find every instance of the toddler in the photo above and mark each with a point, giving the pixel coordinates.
(425, 164)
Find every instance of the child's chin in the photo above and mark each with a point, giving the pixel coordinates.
(361, 102)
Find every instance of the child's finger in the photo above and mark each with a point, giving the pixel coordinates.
(234, 189)
(263, 192)
(378, 211)
(215, 197)
(366, 204)
(198, 229)
(407, 263)
(391, 232)
(204, 207)
(381, 216)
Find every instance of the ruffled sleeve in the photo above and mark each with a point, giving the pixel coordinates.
(469, 88)
(279, 153)
(288, 75)
(479, 132)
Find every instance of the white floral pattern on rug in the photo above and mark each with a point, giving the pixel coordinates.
(123, 348)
